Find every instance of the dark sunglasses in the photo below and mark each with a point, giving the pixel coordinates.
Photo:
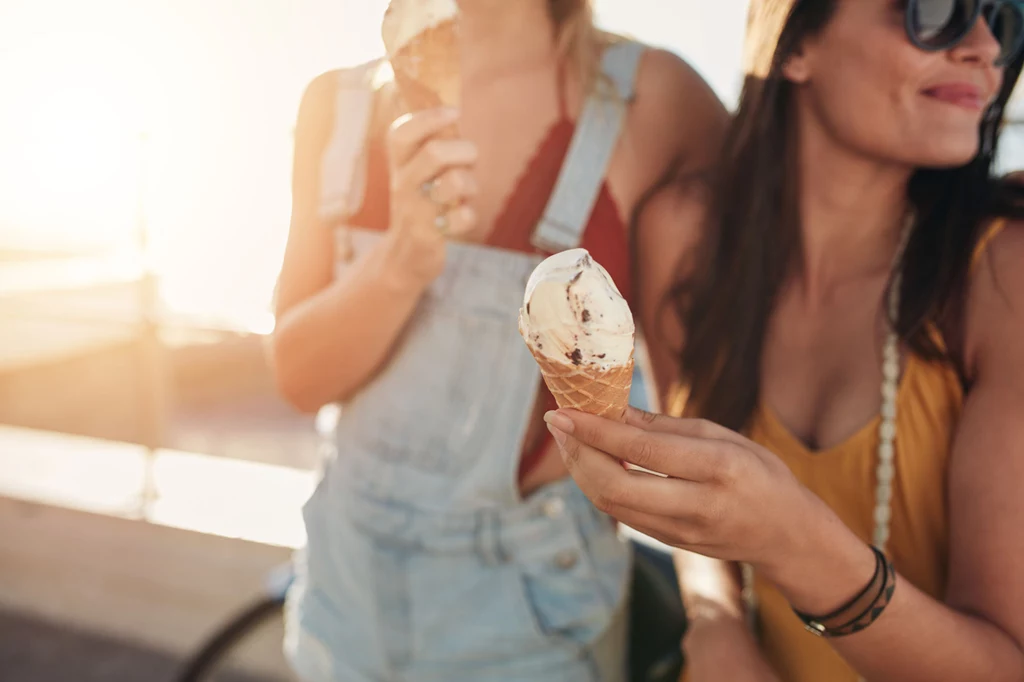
(934, 25)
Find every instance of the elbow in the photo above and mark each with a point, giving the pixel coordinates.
(292, 383)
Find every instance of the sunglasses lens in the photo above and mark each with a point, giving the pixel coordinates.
(1007, 25)
(937, 24)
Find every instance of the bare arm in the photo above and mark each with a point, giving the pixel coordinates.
(332, 336)
(668, 229)
(675, 128)
(676, 124)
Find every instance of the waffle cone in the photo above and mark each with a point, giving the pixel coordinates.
(427, 69)
(604, 392)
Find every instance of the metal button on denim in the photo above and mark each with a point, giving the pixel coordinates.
(554, 508)
(567, 559)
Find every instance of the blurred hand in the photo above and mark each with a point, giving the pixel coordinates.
(432, 182)
(726, 497)
(718, 643)
(723, 649)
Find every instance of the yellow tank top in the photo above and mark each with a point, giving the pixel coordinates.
(929, 403)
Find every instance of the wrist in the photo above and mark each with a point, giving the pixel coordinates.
(824, 564)
(403, 268)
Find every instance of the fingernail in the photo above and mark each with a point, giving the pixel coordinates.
(559, 421)
(558, 435)
(452, 113)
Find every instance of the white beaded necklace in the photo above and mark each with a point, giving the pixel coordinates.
(885, 471)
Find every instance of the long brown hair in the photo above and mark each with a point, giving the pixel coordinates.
(753, 227)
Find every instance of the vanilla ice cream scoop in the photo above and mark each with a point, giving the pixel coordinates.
(573, 313)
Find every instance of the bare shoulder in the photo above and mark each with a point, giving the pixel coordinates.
(664, 75)
(675, 122)
(676, 109)
(317, 101)
(670, 226)
(995, 308)
(320, 97)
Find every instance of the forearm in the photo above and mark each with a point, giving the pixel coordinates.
(329, 345)
(718, 638)
(917, 638)
(723, 648)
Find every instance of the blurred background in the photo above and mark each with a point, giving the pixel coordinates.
(150, 481)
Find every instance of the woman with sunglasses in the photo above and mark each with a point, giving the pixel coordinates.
(850, 314)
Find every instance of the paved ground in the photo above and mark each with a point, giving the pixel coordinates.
(32, 651)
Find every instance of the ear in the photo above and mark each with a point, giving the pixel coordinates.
(797, 68)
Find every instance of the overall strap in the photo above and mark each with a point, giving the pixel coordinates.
(597, 134)
(343, 164)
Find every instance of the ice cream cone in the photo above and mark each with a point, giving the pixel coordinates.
(422, 44)
(580, 331)
(594, 390)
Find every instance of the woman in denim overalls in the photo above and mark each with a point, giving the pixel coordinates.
(431, 554)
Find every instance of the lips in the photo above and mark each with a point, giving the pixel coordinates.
(965, 95)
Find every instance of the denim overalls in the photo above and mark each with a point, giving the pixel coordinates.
(423, 563)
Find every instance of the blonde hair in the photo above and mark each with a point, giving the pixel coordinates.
(579, 40)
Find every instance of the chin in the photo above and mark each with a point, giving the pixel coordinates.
(950, 154)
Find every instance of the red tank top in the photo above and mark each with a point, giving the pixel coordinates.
(604, 237)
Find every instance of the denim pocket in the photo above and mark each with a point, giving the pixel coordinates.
(566, 597)
(463, 612)
(576, 573)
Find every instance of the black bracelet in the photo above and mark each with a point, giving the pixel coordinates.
(862, 610)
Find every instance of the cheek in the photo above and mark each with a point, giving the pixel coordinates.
(878, 110)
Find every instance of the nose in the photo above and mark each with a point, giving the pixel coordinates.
(979, 46)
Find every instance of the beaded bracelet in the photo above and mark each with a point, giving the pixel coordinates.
(862, 610)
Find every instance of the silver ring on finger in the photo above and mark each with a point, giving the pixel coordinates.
(429, 190)
(441, 222)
